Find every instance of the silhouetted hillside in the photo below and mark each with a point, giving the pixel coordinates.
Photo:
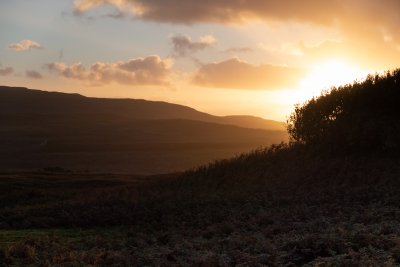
(252, 122)
(348, 136)
(18, 100)
(41, 129)
(296, 204)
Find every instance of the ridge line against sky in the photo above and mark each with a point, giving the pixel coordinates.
(223, 57)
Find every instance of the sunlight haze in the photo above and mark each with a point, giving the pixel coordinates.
(251, 57)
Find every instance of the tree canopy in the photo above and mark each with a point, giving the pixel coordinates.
(362, 115)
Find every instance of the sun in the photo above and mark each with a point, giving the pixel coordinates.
(325, 75)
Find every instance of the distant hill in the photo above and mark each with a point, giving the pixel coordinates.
(252, 122)
(19, 100)
(44, 129)
(330, 197)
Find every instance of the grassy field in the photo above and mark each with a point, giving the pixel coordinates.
(267, 210)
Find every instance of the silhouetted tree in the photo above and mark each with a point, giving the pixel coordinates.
(362, 115)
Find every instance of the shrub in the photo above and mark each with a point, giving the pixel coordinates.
(362, 115)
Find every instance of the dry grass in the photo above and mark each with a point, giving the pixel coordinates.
(263, 209)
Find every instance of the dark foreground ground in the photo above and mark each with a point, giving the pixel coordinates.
(71, 219)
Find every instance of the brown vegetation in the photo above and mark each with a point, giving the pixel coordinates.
(307, 203)
(230, 213)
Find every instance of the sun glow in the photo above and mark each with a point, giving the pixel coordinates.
(325, 75)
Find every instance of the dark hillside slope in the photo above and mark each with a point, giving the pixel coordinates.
(252, 122)
(297, 204)
(18, 100)
(41, 129)
(348, 136)
(286, 206)
(294, 168)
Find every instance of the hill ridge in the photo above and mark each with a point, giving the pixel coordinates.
(41, 129)
(148, 109)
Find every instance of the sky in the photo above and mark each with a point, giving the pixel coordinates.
(218, 56)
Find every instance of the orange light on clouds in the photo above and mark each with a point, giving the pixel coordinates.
(224, 57)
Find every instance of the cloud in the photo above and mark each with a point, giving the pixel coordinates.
(240, 11)
(377, 20)
(6, 71)
(25, 45)
(360, 49)
(183, 45)
(239, 50)
(33, 74)
(220, 11)
(373, 18)
(236, 74)
(151, 70)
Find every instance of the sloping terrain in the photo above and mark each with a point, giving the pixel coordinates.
(306, 203)
(285, 206)
(20, 101)
(41, 129)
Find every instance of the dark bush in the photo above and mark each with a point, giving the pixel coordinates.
(362, 115)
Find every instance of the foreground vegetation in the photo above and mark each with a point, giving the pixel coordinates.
(200, 218)
(318, 201)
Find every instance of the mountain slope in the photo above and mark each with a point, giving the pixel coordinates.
(297, 204)
(41, 129)
(19, 100)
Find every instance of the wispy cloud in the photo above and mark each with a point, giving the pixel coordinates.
(25, 45)
(6, 71)
(33, 74)
(183, 44)
(292, 49)
(235, 50)
(236, 74)
(151, 70)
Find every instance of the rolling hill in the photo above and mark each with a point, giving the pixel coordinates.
(19, 100)
(306, 203)
(45, 129)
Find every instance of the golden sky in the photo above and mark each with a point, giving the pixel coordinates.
(218, 56)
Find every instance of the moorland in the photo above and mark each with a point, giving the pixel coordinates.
(329, 197)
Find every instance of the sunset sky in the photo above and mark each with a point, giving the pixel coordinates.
(221, 57)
